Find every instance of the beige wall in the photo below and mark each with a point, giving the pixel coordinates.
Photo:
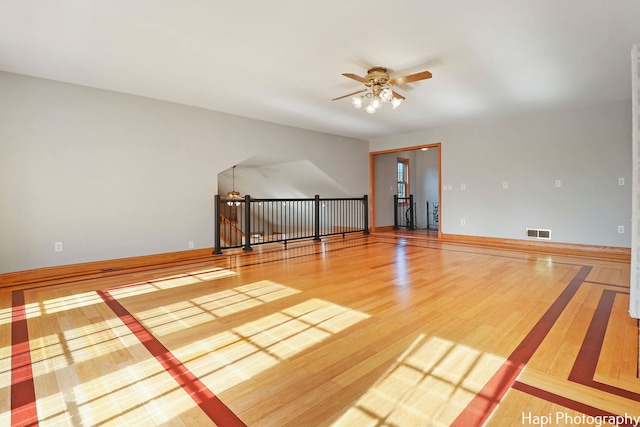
(634, 300)
(112, 175)
(586, 149)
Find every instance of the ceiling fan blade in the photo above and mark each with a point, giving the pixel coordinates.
(354, 77)
(410, 78)
(397, 95)
(351, 94)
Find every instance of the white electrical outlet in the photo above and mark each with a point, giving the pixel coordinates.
(558, 183)
(505, 185)
(57, 247)
(621, 229)
(463, 221)
(463, 187)
(620, 181)
(192, 244)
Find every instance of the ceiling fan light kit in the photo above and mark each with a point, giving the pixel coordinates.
(233, 196)
(379, 89)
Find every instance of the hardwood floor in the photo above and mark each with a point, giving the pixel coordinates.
(384, 330)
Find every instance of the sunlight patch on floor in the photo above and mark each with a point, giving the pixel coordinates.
(171, 318)
(429, 384)
(98, 372)
(105, 376)
(77, 344)
(85, 299)
(233, 356)
(170, 282)
(6, 314)
(68, 302)
(135, 393)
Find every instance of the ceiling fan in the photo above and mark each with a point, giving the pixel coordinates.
(378, 88)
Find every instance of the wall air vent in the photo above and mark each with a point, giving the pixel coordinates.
(537, 233)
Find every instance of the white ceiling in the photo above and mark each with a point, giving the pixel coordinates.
(282, 60)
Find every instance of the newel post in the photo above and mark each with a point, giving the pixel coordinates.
(216, 212)
(316, 219)
(412, 215)
(395, 211)
(247, 223)
(365, 201)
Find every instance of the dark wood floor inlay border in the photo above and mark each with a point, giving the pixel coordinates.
(566, 402)
(23, 396)
(219, 413)
(485, 402)
(584, 367)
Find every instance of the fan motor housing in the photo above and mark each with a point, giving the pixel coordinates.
(377, 76)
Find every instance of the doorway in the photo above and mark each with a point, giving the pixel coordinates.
(423, 164)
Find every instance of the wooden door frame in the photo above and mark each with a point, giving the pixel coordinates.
(372, 197)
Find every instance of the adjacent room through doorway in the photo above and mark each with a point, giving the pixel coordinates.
(406, 189)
